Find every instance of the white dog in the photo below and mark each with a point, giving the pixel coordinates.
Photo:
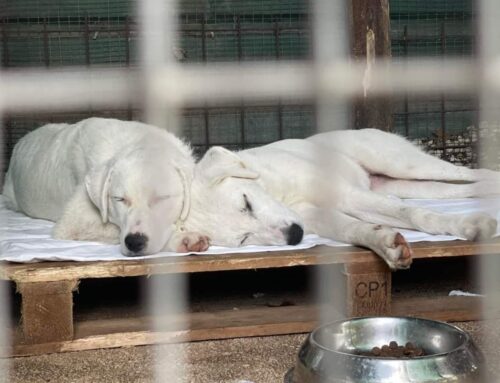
(335, 185)
(134, 175)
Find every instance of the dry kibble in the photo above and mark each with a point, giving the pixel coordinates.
(393, 350)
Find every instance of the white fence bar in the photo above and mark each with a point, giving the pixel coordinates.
(166, 294)
(194, 84)
(489, 62)
(5, 304)
(331, 52)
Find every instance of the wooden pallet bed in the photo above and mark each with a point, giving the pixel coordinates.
(46, 289)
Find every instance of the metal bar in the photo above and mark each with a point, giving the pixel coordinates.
(203, 40)
(86, 36)
(277, 48)
(7, 131)
(204, 58)
(242, 127)
(238, 38)
(120, 31)
(443, 100)
(46, 52)
(406, 103)
(5, 45)
(127, 41)
(194, 83)
(242, 107)
(436, 111)
(130, 113)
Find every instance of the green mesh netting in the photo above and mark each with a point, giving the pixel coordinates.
(94, 32)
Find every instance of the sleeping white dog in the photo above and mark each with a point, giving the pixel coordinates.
(335, 185)
(96, 171)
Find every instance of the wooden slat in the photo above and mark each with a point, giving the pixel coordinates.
(121, 332)
(56, 271)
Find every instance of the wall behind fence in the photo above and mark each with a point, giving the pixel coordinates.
(92, 32)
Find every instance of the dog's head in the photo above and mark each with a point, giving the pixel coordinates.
(230, 206)
(144, 193)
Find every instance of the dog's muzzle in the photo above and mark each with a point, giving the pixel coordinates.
(136, 242)
(293, 234)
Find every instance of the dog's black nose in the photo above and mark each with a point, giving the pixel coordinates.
(136, 242)
(294, 234)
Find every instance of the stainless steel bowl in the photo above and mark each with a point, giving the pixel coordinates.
(329, 355)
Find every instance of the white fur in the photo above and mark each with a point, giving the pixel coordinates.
(334, 184)
(103, 179)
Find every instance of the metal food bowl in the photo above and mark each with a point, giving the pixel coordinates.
(331, 353)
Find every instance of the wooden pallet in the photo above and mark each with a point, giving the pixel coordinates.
(46, 290)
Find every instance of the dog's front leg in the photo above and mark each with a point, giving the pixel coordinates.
(331, 223)
(186, 242)
(81, 221)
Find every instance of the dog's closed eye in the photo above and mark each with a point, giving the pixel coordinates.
(124, 200)
(158, 199)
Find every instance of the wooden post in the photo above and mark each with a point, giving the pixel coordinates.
(370, 38)
(47, 311)
(368, 289)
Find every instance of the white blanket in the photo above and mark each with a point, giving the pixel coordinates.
(23, 239)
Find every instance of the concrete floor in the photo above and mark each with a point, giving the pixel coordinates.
(253, 359)
(259, 360)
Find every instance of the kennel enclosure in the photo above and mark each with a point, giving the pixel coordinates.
(95, 34)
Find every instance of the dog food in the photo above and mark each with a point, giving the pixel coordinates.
(393, 350)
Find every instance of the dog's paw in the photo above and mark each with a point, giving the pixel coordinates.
(477, 227)
(397, 252)
(193, 242)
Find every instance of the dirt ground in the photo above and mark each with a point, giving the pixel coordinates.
(257, 360)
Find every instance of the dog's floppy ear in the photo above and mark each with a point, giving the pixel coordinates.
(97, 185)
(219, 163)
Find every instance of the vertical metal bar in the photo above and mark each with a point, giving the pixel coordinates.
(127, 41)
(406, 103)
(242, 127)
(489, 12)
(130, 114)
(330, 45)
(443, 100)
(5, 45)
(46, 52)
(277, 47)
(277, 36)
(86, 36)
(159, 26)
(158, 40)
(203, 39)
(204, 58)
(238, 38)
(242, 108)
(7, 141)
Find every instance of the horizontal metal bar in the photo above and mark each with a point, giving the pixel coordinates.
(120, 30)
(416, 113)
(193, 84)
(39, 90)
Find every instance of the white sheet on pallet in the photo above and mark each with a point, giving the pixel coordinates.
(23, 239)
